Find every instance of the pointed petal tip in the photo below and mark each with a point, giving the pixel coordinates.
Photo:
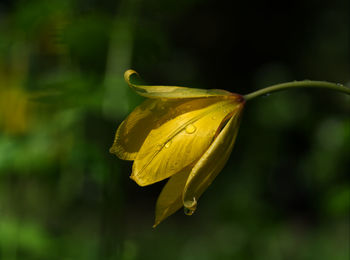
(132, 178)
(118, 151)
(112, 149)
(156, 223)
(138, 181)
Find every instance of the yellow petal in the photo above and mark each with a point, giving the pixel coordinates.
(212, 162)
(170, 199)
(152, 113)
(133, 131)
(172, 92)
(181, 140)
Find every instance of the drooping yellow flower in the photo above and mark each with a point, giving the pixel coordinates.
(183, 133)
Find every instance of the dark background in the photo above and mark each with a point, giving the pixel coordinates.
(284, 193)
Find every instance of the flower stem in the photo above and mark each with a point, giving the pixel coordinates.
(298, 84)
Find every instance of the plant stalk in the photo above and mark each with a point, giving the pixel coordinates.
(298, 84)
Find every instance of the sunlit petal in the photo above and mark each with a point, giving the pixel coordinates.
(180, 141)
(151, 114)
(212, 162)
(133, 131)
(172, 92)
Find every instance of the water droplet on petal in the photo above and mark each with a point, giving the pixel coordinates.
(159, 147)
(190, 129)
(167, 145)
(188, 212)
(213, 117)
(190, 206)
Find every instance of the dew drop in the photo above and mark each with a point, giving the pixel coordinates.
(213, 117)
(188, 212)
(190, 129)
(167, 145)
(159, 147)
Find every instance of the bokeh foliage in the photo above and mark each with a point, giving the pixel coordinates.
(284, 193)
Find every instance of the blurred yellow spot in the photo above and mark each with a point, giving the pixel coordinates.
(14, 111)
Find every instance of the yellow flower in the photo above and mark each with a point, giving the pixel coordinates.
(183, 133)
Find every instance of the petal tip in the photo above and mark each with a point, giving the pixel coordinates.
(127, 75)
(113, 149)
(156, 223)
(138, 181)
(118, 151)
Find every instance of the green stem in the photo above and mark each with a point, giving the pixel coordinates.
(298, 84)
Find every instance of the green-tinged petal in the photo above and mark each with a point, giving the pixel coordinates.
(212, 162)
(172, 92)
(181, 140)
(133, 131)
(152, 113)
(170, 199)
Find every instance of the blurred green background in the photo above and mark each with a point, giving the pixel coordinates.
(285, 192)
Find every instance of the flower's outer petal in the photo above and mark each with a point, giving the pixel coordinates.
(134, 129)
(172, 92)
(212, 162)
(152, 113)
(170, 199)
(181, 140)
